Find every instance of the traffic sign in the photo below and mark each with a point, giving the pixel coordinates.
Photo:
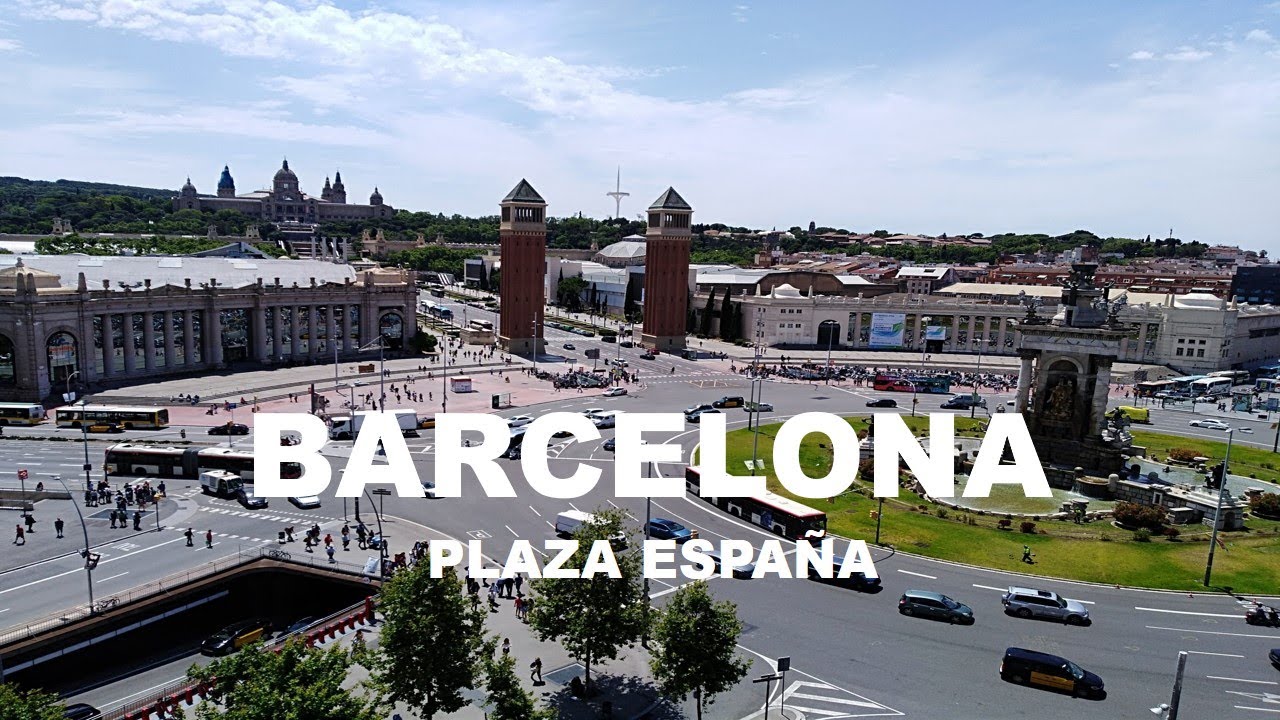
(22, 474)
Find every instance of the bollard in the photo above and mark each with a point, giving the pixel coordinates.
(188, 694)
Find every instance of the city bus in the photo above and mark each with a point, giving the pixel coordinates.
(1151, 387)
(1211, 386)
(129, 418)
(480, 326)
(928, 384)
(1183, 384)
(184, 463)
(21, 414)
(775, 513)
(1267, 384)
(436, 310)
(1268, 371)
(1238, 377)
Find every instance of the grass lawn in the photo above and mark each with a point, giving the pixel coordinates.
(1097, 552)
(1247, 461)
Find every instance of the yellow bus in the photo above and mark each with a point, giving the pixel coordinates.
(129, 418)
(21, 414)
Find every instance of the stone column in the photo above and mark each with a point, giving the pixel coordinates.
(108, 347)
(149, 341)
(130, 342)
(168, 339)
(1101, 387)
(1024, 384)
(1004, 324)
(857, 329)
(214, 319)
(955, 332)
(331, 329)
(348, 342)
(188, 338)
(919, 330)
(88, 352)
(295, 330)
(973, 333)
(313, 344)
(277, 333)
(260, 334)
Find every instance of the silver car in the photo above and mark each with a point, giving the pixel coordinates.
(1028, 603)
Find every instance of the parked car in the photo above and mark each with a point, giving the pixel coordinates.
(81, 711)
(615, 392)
(882, 402)
(300, 624)
(729, 401)
(647, 356)
(928, 604)
(229, 428)
(1210, 424)
(1029, 602)
(305, 502)
(1029, 667)
(697, 416)
(519, 421)
(235, 636)
(664, 529)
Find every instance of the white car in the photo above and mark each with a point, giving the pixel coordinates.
(519, 421)
(604, 421)
(305, 502)
(592, 412)
(429, 488)
(615, 392)
(1210, 424)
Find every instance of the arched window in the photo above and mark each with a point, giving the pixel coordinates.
(8, 363)
(391, 326)
(63, 354)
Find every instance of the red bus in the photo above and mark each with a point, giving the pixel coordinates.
(771, 511)
(928, 384)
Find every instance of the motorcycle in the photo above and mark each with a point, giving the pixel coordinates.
(1263, 615)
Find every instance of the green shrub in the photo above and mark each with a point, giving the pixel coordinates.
(1141, 516)
(1266, 505)
(1142, 535)
(942, 512)
(1183, 454)
(1027, 526)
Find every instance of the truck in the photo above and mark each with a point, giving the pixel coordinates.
(220, 483)
(345, 428)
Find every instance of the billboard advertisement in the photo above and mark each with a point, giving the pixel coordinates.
(936, 332)
(886, 329)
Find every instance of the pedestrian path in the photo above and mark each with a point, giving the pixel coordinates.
(828, 702)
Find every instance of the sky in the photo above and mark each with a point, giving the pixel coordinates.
(1126, 119)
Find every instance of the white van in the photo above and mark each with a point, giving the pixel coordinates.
(568, 522)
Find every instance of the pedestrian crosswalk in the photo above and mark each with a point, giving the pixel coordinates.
(267, 515)
(819, 700)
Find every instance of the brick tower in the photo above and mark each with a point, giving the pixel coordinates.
(523, 234)
(666, 272)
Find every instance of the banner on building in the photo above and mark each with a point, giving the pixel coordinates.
(887, 329)
(936, 332)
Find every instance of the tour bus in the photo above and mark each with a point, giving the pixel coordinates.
(1238, 377)
(1151, 387)
(184, 463)
(127, 417)
(435, 309)
(1183, 384)
(929, 384)
(1211, 386)
(21, 414)
(1267, 384)
(771, 511)
(1268, 371)
(480, 326)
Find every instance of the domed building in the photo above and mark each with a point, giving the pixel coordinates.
(285, 202)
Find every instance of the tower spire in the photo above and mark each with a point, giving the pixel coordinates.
(617, 195)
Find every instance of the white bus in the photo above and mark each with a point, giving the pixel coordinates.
(21, 414)
(1238, 377)
(1211, 386)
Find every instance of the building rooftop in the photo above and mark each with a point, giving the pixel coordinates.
(161, 270)
(670, 200)
(624, 249)
(523, 192)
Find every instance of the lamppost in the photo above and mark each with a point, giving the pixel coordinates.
(1217, 516)
(829, 325)
(70, 397)
(381, 345)
(90, 559)
(757, 386)
(973, 402)
(382, 538)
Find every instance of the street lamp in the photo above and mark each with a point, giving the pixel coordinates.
(1217, 516)
(90, 559)
(382, 538)
(69, 397)
(381, 345)
(828, 324)
(757, 386)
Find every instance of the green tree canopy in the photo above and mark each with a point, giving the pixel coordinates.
(508, 700)
(34, 704)
(696, 646)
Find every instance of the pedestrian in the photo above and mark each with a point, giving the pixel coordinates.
(329, 549)
(519, 584)
(30, 520)
(113, 519)
(1026, 555)
(20, 538)
(189, 535)
(328, 540)
(137, 519)
(208, 539)
(58, 525)
(526, 606)
(506, 647)
(519, 605)
(535, 671)
(346, 538)
(475, 601)
(288, 534)
(360, 537)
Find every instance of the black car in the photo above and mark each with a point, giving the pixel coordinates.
(609, 338)
(81, 711)
(664, 529)
(647, 356)
(740, 572)
(235, 636)
(1029, 667)
(936, 606)
(1275, 657)
(300, 625)
(856, 580)
(610, 444)
(229, 429)
(626, 344)
(883, 402)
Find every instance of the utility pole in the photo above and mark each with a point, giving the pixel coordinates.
(1217, 516)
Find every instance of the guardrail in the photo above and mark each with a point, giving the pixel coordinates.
(168, 583)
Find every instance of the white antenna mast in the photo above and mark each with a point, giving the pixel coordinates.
(617, 195)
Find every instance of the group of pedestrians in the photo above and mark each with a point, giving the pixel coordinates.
(190, 536)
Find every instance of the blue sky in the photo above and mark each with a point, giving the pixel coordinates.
(922, 117)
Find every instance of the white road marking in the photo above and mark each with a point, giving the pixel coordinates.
(1247, 707)
(76, 570)
(1243, 680)
(513, 532)
(575, 507)
(113, 577)
(988, 587)
(1211, 632)
(535, 511)
(5, 610)
(1200, 652)
(1188, 612)
(908, 572)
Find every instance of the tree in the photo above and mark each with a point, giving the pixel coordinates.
(726, 316)
(569, 292)
(593, 616)
(297, 682)
(508, 700)
(431, 639)
(34, 704)
(705, 327)
(696, 640)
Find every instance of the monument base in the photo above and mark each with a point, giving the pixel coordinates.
(664, 343)
(522, 346)
(1095, 456)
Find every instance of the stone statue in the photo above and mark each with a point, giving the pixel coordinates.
(1060, 405)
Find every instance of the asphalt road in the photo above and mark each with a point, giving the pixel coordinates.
(852, 652)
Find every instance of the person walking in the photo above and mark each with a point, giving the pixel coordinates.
(20, 538)
(58, 525)
(208, 539)
(519, 606)
(506, 647)
(137, 519)
(361, 537)
(346, 538)
(519, 584)
(1026, 555)
(329, 549)
(535, 671)
(328, 540)
(189, 535)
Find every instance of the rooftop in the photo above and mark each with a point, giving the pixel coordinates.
(161, 270)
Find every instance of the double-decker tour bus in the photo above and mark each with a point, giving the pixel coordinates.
(184, 463)
(21, 413)
(127, 417)
(771, 511)
(928, 384)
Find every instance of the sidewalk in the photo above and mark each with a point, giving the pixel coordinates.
(624, 682)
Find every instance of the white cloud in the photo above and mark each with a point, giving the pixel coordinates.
(1259, 35)
(1141, 55)
(9, 45)
(740, 12)
(1187, 54)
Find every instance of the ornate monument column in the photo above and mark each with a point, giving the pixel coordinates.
(666, 272)
(522, 231)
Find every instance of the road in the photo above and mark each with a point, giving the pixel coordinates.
(852, 651)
